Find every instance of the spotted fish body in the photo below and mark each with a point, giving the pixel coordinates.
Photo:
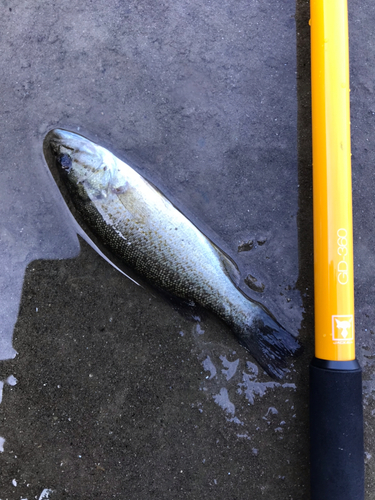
(145, 230)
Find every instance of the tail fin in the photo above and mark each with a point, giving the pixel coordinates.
(269, 343)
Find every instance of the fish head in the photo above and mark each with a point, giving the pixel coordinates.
(84, 166)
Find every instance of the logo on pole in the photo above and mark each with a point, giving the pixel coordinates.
(343, 329)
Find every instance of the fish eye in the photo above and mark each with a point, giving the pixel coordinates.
(66, 162)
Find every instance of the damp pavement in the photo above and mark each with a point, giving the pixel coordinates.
(109, 389)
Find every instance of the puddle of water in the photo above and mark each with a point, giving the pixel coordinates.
(209, 366)
(237, 386)
(230, 367)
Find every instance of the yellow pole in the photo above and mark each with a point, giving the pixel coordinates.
(336, 416)
(333, 234)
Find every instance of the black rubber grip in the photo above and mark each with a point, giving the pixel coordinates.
(336, 430)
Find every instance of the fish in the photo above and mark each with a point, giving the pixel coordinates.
(142, 228)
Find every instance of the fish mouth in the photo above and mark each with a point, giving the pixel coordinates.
(57, 147)
(62, 141)
(54, 141)
(57, 139)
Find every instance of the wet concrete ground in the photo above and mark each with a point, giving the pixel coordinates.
(109, 390)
